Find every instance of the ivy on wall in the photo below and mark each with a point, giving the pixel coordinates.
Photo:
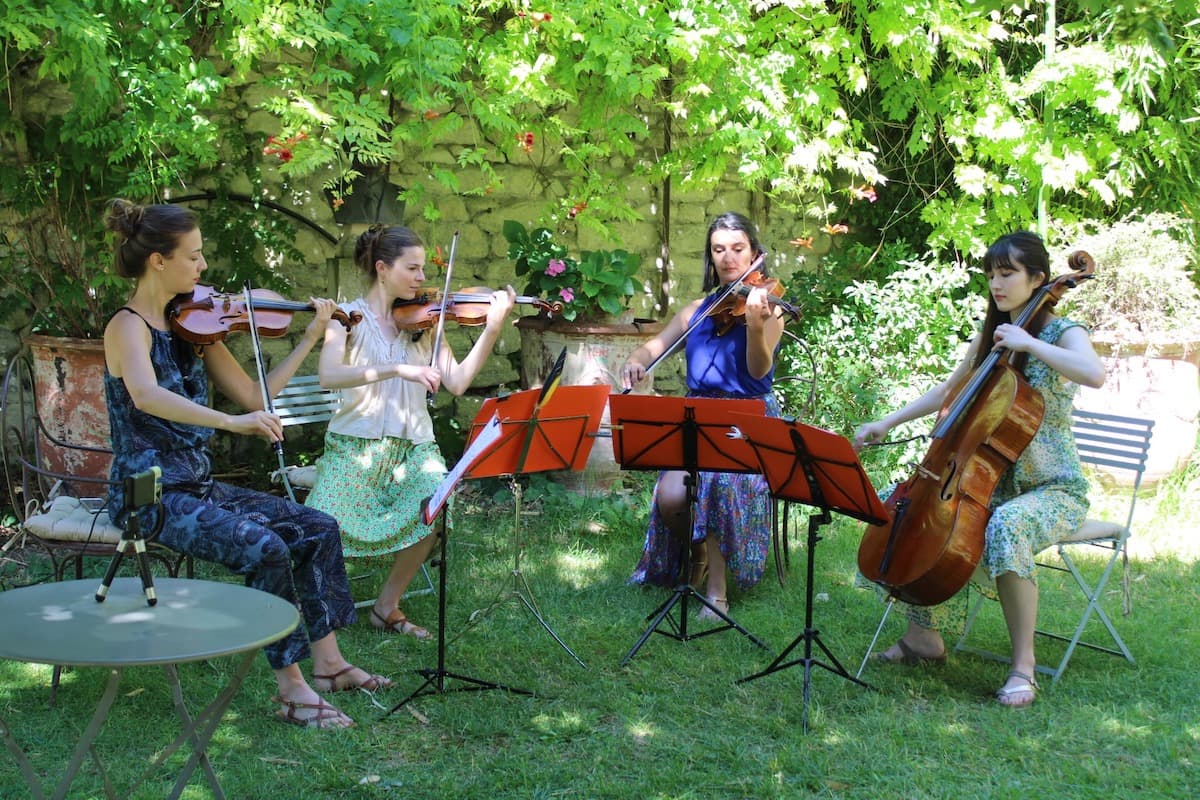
(950, 116)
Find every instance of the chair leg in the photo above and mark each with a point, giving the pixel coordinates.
(1092, 593)
(426, 589)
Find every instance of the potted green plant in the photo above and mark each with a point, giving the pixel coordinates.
(1143, 309)
(54, 299)
(597, 287)
(595, 326)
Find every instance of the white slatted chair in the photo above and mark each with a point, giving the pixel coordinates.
(303, 401)
(1103, 440)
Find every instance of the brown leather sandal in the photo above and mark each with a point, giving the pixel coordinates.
(325, 713)
(371, 683)
(396, 622)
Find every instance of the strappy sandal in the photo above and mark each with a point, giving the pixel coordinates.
(396, 622)
(909, 657)
(1029, 686)
(707, 613)
(372, 682)
(325, 713)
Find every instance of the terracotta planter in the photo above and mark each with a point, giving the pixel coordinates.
(595, 353)
(1159, 382)
(68, 378)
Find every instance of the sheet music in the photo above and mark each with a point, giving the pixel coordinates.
(488, 435)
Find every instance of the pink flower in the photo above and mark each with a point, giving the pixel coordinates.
(556, 266)
(566, 294)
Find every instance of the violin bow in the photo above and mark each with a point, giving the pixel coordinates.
(695, 323)
(264, 387)
(441, 325)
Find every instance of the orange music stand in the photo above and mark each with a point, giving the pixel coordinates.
(540, 431)
(689, 434)
(431, 509)
(809, 465)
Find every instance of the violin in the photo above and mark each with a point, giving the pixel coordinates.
(466, 307)
(205, 316)
(731, 310)
(934, 538)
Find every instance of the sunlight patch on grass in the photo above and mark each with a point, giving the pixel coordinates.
(1127, 729)
(642, 732)
(17, 675)
(565, 723)
(580, 568)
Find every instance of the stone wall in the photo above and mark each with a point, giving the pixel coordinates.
(523, 193)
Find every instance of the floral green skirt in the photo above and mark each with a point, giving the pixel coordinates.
(374, 489)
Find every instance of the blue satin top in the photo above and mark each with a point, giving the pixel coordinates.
(716, 365)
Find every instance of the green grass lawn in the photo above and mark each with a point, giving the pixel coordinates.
(673, 723)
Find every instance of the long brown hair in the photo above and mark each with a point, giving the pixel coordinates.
(1025, 252)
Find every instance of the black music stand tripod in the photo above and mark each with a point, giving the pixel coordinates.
(820, 469)
(693, 431)
(141, 490)
(435, 679)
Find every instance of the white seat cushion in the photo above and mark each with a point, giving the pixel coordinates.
(68, 520)
(299, 477)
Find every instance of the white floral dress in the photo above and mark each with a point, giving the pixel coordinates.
(373, 483)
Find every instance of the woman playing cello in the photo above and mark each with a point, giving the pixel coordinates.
(380, 456)
(156, 385)
(1042, 497)
(732, 524)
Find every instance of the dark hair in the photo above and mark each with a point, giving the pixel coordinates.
(1020, 250)
(382, 243)
(729, 221)
(145, 230)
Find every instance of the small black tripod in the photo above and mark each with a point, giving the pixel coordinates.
(141, 490)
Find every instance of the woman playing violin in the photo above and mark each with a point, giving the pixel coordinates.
(156, 386)
(732, 513)
(380, 456)
(1042, 497)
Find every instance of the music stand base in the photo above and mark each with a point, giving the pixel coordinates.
(679, 630)
(685, 590)
(810, 634)
(520, 586)
(435, 683)
(435, 679)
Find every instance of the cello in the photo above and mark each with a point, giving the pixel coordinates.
(934, 538)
